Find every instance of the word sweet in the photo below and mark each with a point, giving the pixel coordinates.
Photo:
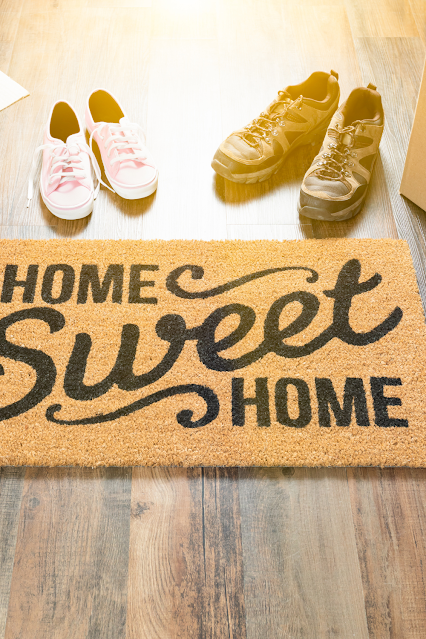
(172, 328)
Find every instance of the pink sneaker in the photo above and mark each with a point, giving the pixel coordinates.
(130, 171)
(66, 183)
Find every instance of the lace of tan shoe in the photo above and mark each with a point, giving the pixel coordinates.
(338, 157)
(267, 122)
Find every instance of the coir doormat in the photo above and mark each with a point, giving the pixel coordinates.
(211, 353)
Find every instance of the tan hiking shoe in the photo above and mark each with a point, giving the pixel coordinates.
(336, 184)
(299, 115)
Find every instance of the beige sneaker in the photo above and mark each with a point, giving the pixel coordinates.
(336, 184)
(300, 115)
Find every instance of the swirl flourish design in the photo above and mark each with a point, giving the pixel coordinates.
(183, 417)
(197, 273)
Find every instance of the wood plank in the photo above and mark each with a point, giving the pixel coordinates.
(391, 564)
(258, 56)
(324, 41)
(8, 5)
(224, 603)
(388, 508)
(301, 571)
(38, 6)
(27, 233)
(269, 231)
(418, 8)
(10, 13)
(287, 522)
(11, 484)
(165, 576)
(330, 42)
(71, 558)
(184, 128)
(47, 34)
(98, 30)
(381, 18)
(292, 42)
(118, 4)
(187, 19)
(395, 65)
(127, 78)
(185, 566)
(376, 219)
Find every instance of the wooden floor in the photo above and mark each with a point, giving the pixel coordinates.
(281, 553)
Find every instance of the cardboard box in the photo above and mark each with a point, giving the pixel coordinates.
(413, 184)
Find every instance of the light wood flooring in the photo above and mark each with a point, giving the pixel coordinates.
(122, 553)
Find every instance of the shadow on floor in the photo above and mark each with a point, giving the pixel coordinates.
(290, 174)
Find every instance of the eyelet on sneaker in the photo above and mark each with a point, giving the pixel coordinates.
(274, 132)
(67, 161)
(268, 140)
(341, 167)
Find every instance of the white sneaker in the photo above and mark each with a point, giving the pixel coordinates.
(66, 183)
(128, 167)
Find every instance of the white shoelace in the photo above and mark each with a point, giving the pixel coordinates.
(122, 137)
(65, 161)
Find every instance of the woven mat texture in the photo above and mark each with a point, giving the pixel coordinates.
(263, 353)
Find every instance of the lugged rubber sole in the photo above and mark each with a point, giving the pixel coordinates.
(316, 213)
(316, 136)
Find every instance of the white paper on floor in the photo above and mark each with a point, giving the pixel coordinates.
(10, 91)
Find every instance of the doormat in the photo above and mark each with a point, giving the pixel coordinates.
(264, 353)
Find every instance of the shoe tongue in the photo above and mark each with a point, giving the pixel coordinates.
(73, 148)
(362, 139)
(280, 104)
(125, 122)
(57, 142)
(351, 138)
(356, 137)
(74, 137)
(134, 164)
(347, 139)
(72, 143)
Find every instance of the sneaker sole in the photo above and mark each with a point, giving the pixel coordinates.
(76, 214)
(134, 194)
(320, 214)
(316, 136)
